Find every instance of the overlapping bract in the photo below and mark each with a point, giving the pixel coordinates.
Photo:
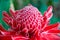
(29, 24)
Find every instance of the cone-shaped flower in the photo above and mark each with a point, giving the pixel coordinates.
(29, 24)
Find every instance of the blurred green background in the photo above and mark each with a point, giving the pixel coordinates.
(40, 4)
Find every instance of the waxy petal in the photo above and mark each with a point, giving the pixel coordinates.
(54, 31)
(52, 26)
(48, 14)
(12, 12)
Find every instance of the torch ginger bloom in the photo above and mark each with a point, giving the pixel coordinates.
(29, 24)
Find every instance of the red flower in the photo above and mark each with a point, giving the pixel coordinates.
(29, 24)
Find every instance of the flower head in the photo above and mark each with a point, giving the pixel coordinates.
(29, 24)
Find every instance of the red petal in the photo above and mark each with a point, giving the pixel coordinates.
(51, 26)
(19, 38)
(54, 31)
(9, 22)
(14, 23)
(12, 12)
(5, 37)
(51, 36)
(48, 14)
(5, 14)
(7, 33)
(49, 9)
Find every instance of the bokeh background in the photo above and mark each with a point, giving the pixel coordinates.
(42, 5)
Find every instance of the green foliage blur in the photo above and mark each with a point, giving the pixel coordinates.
(42, 5)
(4, 6)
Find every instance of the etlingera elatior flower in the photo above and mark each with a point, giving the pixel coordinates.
(29, 24)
